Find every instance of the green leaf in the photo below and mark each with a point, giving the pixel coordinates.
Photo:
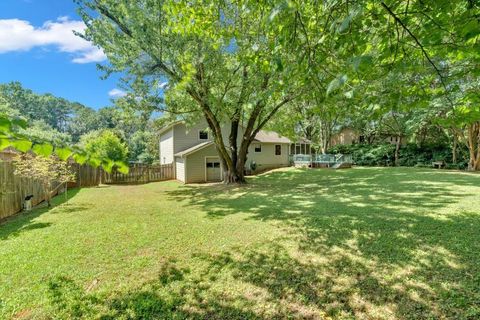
(63, 153)
(279, 64)
(344, 25)
(471, 29)
(22, 123)
(108, 165)
(5, 125)
(361, 63)
(43, 149)
(336, 83)
(121, 167)
(273, 14)
(94, 162)
(22, 145)
(4, 143)
(80, 158)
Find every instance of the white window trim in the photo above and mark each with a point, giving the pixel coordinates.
(275, 150)
(205, 167)
(255, 146)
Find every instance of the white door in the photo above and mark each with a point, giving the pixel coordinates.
(213, 169)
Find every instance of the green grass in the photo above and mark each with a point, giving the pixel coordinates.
(367, 243)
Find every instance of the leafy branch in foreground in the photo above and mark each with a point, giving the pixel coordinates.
(9, 137)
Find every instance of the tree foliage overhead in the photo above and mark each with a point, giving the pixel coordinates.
(240, 62)
(233, 62)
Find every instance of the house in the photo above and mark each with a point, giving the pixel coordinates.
(349, 135)
(345, 136)
(301, 146)
(192, 151)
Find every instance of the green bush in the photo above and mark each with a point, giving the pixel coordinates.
(410, 155)
(368, 154)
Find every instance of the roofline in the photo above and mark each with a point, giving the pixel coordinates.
(174, 123)
(178, 154)
(272, 142)
(169, 126)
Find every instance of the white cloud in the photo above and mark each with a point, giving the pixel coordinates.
(20, 35)
(117, 93)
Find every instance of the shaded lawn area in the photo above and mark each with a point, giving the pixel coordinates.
(366, 243)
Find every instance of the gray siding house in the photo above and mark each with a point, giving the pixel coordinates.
(195, 159)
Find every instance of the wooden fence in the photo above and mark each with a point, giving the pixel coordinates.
(14, 189)
(88, 176)
(140, 173)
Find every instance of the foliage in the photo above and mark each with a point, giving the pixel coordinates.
(228, 62)
(368, 154)
(57, 113)
(47, 170)
(287, 240)
(410, 155)
(61, 122)
(38, 130)
(105, 144)
(10, 137)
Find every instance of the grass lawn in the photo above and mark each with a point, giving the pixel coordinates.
(366, 243)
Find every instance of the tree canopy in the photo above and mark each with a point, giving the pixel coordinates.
(241, 62)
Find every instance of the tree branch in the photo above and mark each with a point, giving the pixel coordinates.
(422, 48)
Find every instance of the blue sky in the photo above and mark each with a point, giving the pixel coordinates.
(38, 49)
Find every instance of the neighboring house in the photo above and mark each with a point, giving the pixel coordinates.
(195, 158)
(350, 136)
(345, 136)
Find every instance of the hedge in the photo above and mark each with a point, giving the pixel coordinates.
(410, 155)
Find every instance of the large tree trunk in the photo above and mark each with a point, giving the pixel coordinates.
(234, 171)
(397, 150)
(325, 135)
(454, 148)
(473, 143)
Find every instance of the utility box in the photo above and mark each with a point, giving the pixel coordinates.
(27, 204)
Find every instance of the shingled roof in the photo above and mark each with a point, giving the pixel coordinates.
(193, 149)
(270, 137)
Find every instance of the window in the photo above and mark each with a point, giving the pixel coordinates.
(278, 150)
(258, 148)
(213, 164)
(203, 135)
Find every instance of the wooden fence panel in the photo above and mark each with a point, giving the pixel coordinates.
(14, 189)
(86, 176)
(140, 173)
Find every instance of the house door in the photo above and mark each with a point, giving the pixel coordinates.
(213, 169)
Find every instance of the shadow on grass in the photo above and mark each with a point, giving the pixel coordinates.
(25, 221)
(170, 296)
(364, 243)
(374, 243)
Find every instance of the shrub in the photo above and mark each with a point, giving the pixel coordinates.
(410, 155)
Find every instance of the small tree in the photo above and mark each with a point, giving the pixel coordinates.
(105, 144)
(46, 170)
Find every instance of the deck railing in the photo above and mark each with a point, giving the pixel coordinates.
(321, 158)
